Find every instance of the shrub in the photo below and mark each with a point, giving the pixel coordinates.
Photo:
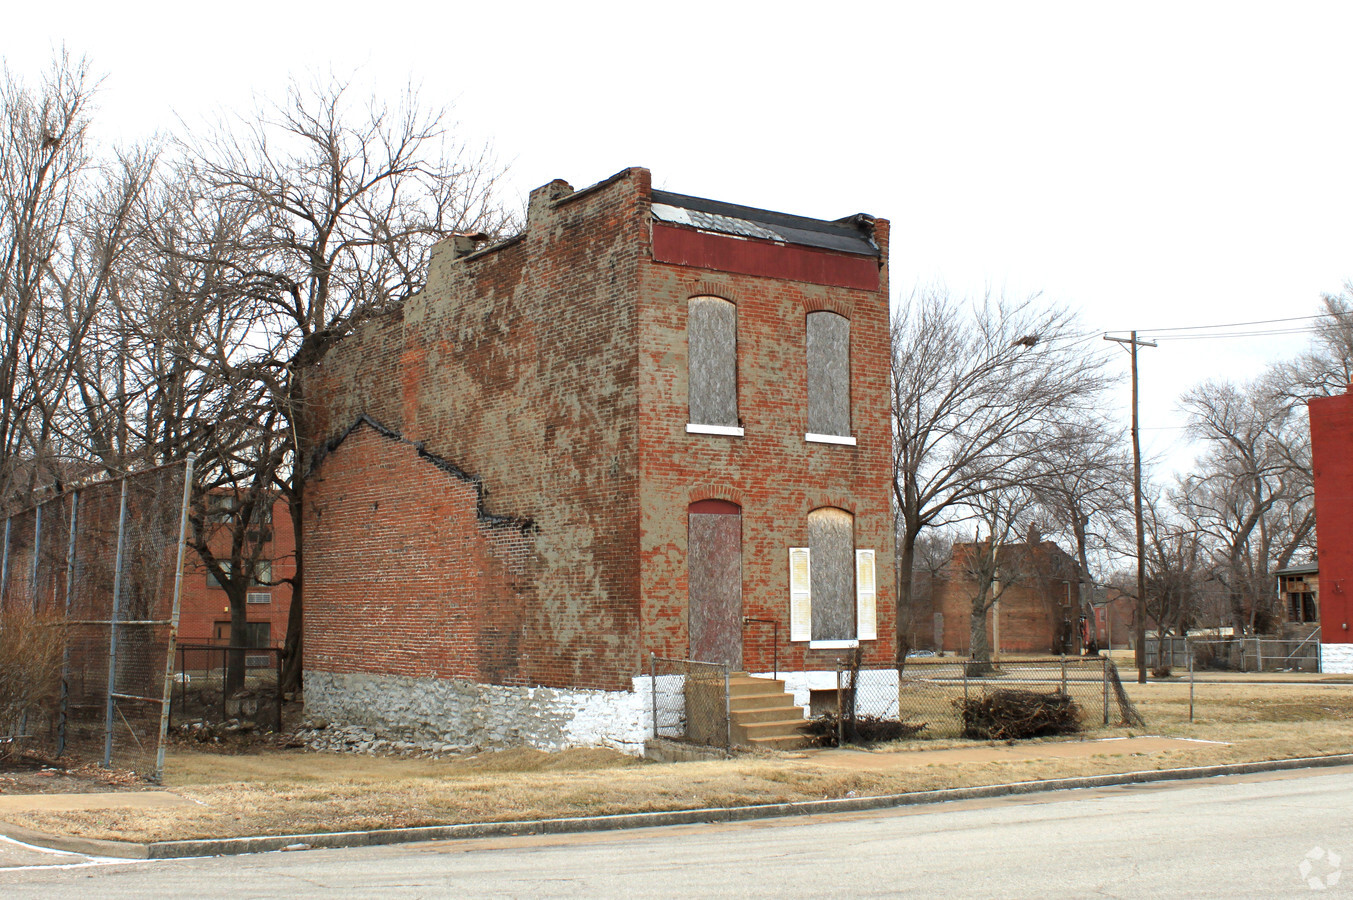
(1010, 714)
(31, 649)
(822, 730)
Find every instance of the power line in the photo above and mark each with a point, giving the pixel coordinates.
(1229, 334)
(1237, 324)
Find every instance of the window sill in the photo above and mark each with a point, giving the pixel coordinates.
(829, 439)
(725, 430)
(833, 645)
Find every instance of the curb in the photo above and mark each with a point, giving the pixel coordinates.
(341, 839)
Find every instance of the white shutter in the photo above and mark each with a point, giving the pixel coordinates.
(866, 597)
(800, 600)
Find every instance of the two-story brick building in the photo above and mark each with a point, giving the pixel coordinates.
(650, 423)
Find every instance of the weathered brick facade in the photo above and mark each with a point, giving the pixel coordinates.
(513, 508)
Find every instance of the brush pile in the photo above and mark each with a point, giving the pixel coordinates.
(1009, 715)
(823, 730)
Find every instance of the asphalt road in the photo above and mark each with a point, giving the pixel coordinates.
(1244, 836)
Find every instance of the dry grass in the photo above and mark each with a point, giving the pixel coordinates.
(278, 792)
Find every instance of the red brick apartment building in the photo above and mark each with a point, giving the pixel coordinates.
(649, 423)
(204, 611)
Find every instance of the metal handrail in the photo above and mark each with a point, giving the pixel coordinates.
(775, 641)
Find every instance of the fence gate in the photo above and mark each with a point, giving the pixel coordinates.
(691, 701)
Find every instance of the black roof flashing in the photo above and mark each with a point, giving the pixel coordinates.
(853, 234)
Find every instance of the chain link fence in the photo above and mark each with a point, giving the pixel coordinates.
(691, 701)
(102, 564)
(930, 698)
(1244, 654)
(199, 698)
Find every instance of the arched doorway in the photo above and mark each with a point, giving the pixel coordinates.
(714, 575)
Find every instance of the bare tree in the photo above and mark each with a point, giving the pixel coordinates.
(1177, 569)
(1250, 493)
(976, 389)
(44, 163)
(1004, 511)
(1326, 367)
(1083, 480)
(336, 205)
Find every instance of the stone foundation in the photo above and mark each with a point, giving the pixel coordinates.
(449, 713)
(1336, 658)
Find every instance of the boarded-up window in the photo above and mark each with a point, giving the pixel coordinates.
(713, 361)
(828, 374)
(831, 546)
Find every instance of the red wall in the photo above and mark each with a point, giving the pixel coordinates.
(404, 576)
(1332, 458)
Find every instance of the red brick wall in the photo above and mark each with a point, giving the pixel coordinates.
(406, 577)
(771, 472)
(518, 364)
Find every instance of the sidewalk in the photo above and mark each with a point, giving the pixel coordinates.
(863, 760)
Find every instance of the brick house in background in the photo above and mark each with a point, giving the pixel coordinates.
(1038, 609)
(204, 611)
(650, 423)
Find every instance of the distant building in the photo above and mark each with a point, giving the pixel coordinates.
(204, 610)
(1039, 610)
(1299, 595)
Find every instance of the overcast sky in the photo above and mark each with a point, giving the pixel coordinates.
(1153, 165)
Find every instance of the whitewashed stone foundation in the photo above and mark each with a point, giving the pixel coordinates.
(1336, 658)
(442, 711)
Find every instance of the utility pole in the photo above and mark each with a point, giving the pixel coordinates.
(1133, 344)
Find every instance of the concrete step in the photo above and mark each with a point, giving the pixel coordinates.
(746, 684)
(778, 713)
(762, 701)
(780, 742)
(776, 729)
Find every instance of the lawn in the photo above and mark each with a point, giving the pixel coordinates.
(294, 791)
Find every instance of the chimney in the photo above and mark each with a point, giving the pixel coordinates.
(463, 244)
(543, 196)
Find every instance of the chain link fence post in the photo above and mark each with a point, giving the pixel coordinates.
(728, 706)
(112, 630)
(1104, 683)
(840, 709)
(166, 695)
(63, 703)
(4, 565)
(1190, 653)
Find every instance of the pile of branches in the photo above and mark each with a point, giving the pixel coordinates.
(824, 730)
(1010, 714)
